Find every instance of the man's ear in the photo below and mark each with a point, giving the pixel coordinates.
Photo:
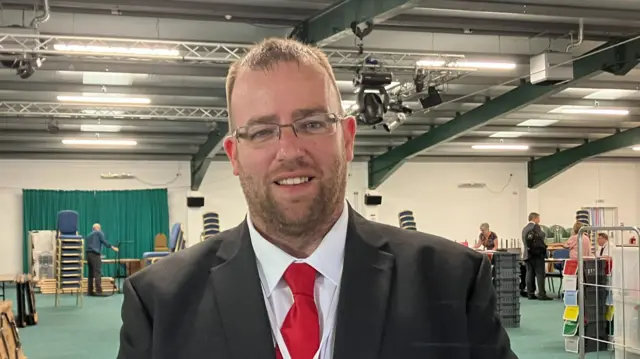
(349, 129)
(231, 148)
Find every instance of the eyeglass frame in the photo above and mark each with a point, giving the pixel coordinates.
(334, 119)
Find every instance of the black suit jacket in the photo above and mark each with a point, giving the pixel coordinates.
(404, 295)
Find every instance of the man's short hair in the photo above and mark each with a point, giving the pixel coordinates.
(533, 215)
(272, 51)
(603, 235)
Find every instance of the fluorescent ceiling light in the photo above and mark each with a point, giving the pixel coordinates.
(500, 147)
(508, 134)
(610, 94)
(100, 142)
(536, 123)
(100, 128)
(105, 99)
(595, 111)
(110, 50)
(468, 64)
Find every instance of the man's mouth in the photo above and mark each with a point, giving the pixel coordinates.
(292, 181)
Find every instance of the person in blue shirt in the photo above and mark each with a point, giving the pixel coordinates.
(93, 247)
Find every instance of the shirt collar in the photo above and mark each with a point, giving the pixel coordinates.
(327, 259)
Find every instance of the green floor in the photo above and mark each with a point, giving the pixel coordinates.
(92, 331)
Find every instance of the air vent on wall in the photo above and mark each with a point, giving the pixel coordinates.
(472, 185)
(117, 176)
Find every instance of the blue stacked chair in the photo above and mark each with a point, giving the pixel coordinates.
(407, 220)
(211, 226)
(176, 243)
(69, 256)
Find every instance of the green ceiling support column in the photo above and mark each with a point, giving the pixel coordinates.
(200, 161)
(545, 168)
(618, 60)
(334, 22)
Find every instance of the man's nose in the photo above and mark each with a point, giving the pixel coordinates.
(290, 145)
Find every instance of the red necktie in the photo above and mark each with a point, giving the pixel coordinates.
(301, 327)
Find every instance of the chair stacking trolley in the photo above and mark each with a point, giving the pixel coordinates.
(407, 220)
(69, 256)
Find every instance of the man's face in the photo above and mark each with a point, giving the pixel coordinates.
(536, 220)
(283, 94)
(601, 241)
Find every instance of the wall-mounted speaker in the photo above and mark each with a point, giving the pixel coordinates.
(372, 200)
(195, 202)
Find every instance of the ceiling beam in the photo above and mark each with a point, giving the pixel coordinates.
(104, 156)
(335, 22)
(543, 169)
(208, 92)
(602, 58)
(133, 67)
(201, 160)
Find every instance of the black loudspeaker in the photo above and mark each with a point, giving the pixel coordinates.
(372, 200)
(195, 202)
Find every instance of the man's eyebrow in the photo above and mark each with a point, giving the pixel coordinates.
(263, 120)
(304, 112)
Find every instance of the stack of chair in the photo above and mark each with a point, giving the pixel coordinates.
(176, 243)
(211, 226)
(407, 220)
(69, 256)
(27, 314)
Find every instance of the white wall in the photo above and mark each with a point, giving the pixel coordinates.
(78, 175)
(429, 189)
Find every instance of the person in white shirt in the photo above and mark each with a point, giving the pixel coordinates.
(305, 276)
(603, 245)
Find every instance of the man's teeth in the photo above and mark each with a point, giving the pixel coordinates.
(293, 181)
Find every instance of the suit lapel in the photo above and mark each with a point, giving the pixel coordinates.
(364, 292)
(239, 298)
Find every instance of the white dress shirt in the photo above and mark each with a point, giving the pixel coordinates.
(604, 249)
(327, 260)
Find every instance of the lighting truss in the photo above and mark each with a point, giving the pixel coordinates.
(18, 109)
(391, 60)
(79, 47)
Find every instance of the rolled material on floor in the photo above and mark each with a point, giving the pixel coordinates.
(48, 286)
(10, 344)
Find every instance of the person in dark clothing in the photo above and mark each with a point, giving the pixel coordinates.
(534, 253)
(487, 238)
(93, 248)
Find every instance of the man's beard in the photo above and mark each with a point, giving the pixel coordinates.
(279, 217)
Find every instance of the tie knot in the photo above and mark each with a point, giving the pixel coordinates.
(301, 278)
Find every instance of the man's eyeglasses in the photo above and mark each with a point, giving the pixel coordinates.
(315, 125)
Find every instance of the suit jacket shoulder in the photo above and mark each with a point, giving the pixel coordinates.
(431, 253)
(181, 271)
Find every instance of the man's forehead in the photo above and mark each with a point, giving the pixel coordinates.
(280, 91)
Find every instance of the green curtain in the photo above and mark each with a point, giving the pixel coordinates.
(131, 218)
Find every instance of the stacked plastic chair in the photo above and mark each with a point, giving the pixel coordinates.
(69, 256)
(584, 216)
(176, 243)
(407, 220)
(211, 226)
